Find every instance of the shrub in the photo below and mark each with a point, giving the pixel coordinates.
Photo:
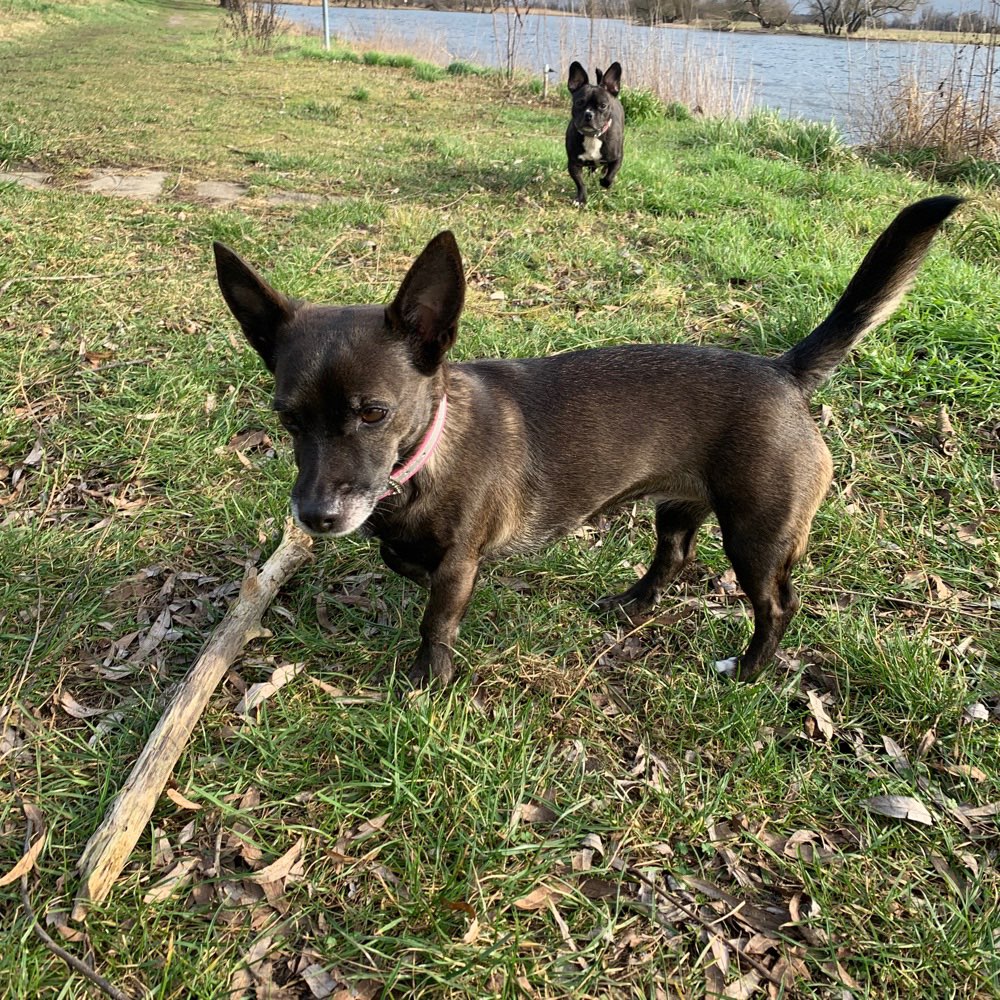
(765, 131)
(641, 106)
(254, 24)
(428, 71)
(460, 68)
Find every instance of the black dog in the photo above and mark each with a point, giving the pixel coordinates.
(596, 131)
(451, 465)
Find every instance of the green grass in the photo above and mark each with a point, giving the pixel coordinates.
(123, 364)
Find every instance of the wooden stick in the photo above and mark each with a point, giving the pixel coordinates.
(111, 844)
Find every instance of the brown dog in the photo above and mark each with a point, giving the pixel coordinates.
(450, 465)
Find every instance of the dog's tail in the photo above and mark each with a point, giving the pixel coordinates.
(875, 290)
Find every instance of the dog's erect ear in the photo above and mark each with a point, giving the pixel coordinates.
(599, 75)
(260, 309)
(577, 77)
(429, 302)
(613, 79)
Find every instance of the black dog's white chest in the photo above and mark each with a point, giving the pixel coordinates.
(593, 148)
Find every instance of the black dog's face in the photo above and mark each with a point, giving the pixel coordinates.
(348, 394)
(593, 104)
(355, 386)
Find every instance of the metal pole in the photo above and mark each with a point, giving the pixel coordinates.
(326, 24)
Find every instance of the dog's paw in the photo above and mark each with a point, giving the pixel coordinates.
(636, 600)
(431, 668)
(605, 183)
(727, 667)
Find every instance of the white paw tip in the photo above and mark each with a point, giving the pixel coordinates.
(727, 667)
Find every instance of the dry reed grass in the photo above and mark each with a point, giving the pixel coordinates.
(420, 45)
(955, 118)
(677, 66)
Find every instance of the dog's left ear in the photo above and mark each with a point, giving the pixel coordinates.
(599, 75)
(613, 79)
(260, 310)
(429, 302)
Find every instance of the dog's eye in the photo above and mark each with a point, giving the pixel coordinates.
(289, 422)
(373, 414)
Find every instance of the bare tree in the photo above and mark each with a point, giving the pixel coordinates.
(514, 14)
(767, 13)
(847, 16)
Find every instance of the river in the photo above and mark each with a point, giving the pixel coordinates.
(805, 76)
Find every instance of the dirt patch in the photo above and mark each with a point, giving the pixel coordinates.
(145, 185)
(34, 180)
(220, 192)
(301, 198)
(24, 25)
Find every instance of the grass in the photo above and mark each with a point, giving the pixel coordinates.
(571, 742)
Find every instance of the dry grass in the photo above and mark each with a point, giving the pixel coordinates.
(955, 118)
(676, 67)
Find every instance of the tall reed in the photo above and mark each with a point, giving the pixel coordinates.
(952, 114)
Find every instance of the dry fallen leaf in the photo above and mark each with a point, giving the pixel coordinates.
(981, 812)
(976, 712)
(34, 816)
(471, 936)
(321, 984)
(72, 707)
(59, 919)
(181, 800)
(278, 869)
(821, 715)
(744, 987)
(538, 899)
(899, 807)
(248, 440)
(177, 877)
(964, 771)
(531, 813)
(258, 693)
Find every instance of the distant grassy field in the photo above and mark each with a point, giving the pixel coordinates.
(487, 841)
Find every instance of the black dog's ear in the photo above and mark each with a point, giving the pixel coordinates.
(599, 75)
(260, 309)
(613, 79)
(429, 302)
(577, 77)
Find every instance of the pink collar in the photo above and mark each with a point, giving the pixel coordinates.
(597, 135)
(421, 454)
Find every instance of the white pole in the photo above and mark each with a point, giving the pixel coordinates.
(326, 24)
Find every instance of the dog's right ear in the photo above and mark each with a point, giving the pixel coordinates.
(260, 310)
(429, 302)
(577, 77)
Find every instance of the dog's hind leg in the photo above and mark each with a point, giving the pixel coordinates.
(677, 523)
(764, 551)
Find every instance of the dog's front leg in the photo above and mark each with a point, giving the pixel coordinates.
(452, 584)
(576, 172)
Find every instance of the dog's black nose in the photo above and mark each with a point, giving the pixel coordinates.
(588, 114)
(318, 519)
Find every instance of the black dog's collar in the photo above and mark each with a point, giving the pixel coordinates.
(597, 135)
